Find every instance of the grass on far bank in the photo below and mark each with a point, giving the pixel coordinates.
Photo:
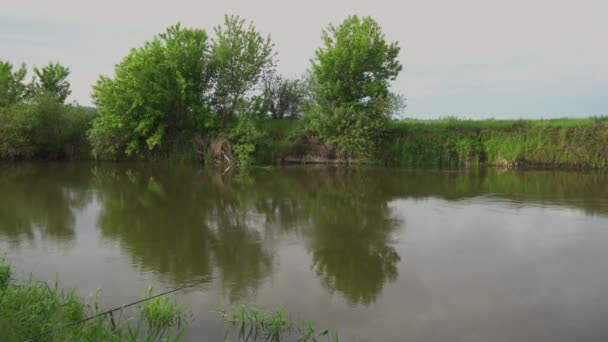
(452, 142)
(550, 143)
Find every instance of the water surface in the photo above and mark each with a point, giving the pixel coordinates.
(377, 254)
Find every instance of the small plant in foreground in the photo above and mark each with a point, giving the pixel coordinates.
(257, 324)
(163, 315)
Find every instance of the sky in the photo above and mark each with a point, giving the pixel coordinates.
(466, 58)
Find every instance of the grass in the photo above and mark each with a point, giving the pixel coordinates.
(576, 143)
(256, 324)
(5, 273)
(279, 140)
(163, 316)
(407, 125)
(451, 142)
(30, 308)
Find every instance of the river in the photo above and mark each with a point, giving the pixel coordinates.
(377, 254)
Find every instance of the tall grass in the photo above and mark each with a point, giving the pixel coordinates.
(5, 273)
(581, 143)
(562, 142)
(255, 324)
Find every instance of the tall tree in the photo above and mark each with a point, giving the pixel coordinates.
(239, 56)
(52, 80)
(355, 63)
(351, 81)
(155, 96)
(12, 87)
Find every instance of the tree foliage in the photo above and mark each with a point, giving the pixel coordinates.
(52, 80)
(155, 96)
(34, 121)
(178, 86)
(283, 97)
(239, 56)
(12, 85)
(351, 75)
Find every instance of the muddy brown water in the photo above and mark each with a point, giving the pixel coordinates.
(377, 254)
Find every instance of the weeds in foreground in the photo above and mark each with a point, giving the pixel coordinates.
(5, 273)
(36, 311)
(32, 308)
(254, 324)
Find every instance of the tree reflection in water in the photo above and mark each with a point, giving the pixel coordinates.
(189, 224)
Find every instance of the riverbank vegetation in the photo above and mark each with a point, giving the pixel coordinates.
(215, 96)
(35, 310)
(570, 143)
(256, 324)
(44, 312)
(35, 121)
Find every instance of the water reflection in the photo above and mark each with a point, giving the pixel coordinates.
(42, 200)
(193, 225)
(350, 235)
(183, 226)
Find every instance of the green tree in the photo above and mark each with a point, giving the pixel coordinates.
(155, 98)
(43, 128)
(283, 97)
(52, 79)
(12, 87)
(240, 55)
(351, 75)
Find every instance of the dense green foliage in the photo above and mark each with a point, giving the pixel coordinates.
(351, 77)
(513, 143)
(29, 308)
(52, 80)
(187, 95)
(178, 86)
(239, 57)
(34, 121)
(155, 96)
(12, 86)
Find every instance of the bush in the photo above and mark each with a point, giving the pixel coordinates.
(246, 137)
(43, 128)
(351, 129)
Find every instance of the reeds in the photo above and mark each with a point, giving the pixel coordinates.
(255, 324)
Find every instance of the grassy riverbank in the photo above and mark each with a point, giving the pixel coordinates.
(176, 98)
(554, 143)
(574, 143)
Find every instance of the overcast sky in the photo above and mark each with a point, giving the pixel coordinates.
(466, 58)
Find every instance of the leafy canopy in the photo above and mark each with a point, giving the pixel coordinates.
(239, 56)
(355, 63)
(34, 121)
(351, 75)
(155, 95)
(12, 86)
(52, 80)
